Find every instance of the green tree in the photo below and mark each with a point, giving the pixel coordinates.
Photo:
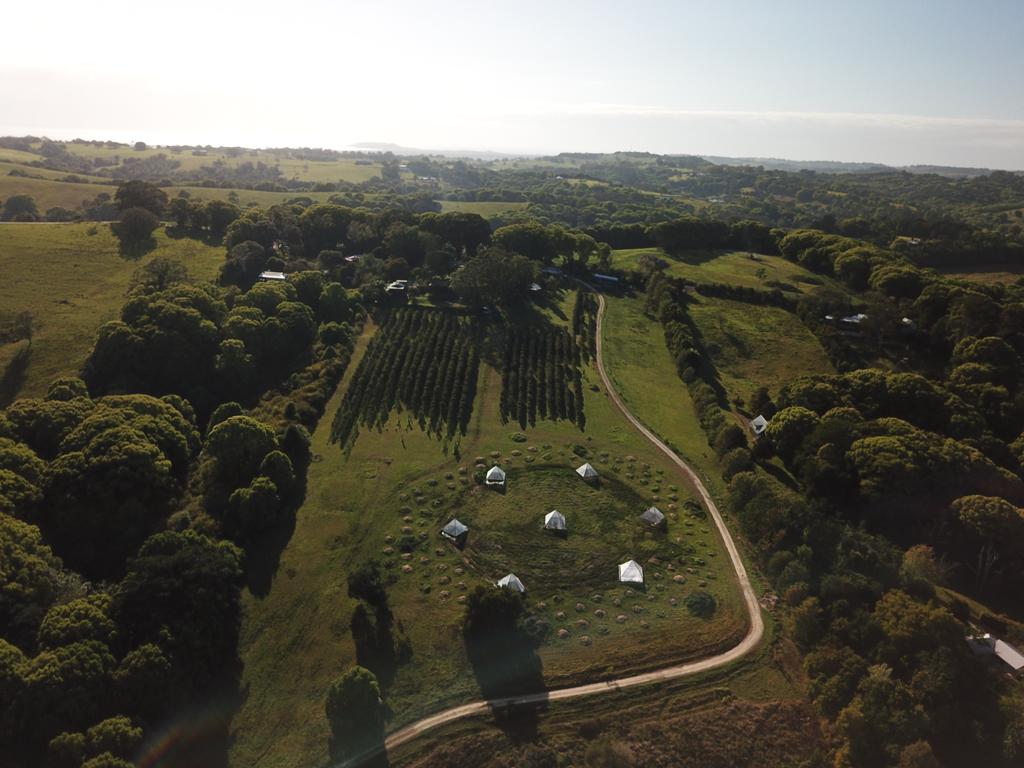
(32, 578)
(493, 277)
(182, 592)
(355, 712)
(80, 620)
(159, 274)
(20, 208)
(141, 194)
(136, 227)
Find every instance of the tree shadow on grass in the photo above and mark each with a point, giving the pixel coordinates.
(506, 666)
(14, 375)
(263, 555)
(378, 649)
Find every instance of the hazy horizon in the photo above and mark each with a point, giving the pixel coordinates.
(902, 84)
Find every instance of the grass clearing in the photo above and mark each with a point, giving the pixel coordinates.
(753, 346)
(642, 369)
(395, 488)
(486, 209)
(729, 267)
(984, 276)
(73, 282)
(51, 193)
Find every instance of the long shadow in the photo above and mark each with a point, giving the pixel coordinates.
(507, 665)
(377, 648)
(14, 375)
(263, 553)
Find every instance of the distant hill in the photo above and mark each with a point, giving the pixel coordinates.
(397, 149)
(836, 166)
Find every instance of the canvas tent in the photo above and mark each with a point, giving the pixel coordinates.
(455, 531)
(554, 521)
(759, 424)
(653, 516)
(495, 476)
(630, 572)
(511, 581)
(587, 472)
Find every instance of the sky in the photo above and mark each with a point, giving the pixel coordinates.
(899, 82)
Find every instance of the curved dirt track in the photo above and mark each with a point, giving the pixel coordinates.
(747, 644)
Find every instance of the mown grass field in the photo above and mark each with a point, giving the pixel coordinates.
(642, 369)
(728, 267)
(72, 282)
(755, 346)
(399, 482)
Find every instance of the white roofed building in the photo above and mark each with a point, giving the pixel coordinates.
(587, 472)
(495, 476)
(759, 424)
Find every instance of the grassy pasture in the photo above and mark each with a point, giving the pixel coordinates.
(73, 282)
(343, 169)
(399, 485)
(487, 209)
(51, 193)
(643, 371)
(46, 173)
(753, 346)
(985, 276)
(245, 196)
(750, 713)
(728, 267)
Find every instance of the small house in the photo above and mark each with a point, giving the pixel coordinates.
(986, 645)
(535, 287)
(495, 476)
(630, 572)
(654, 517)
(397, 286)
(511, 581)
(588, 473)
(273, 277)
(455, 532)
(554, 521)
(758, 425)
